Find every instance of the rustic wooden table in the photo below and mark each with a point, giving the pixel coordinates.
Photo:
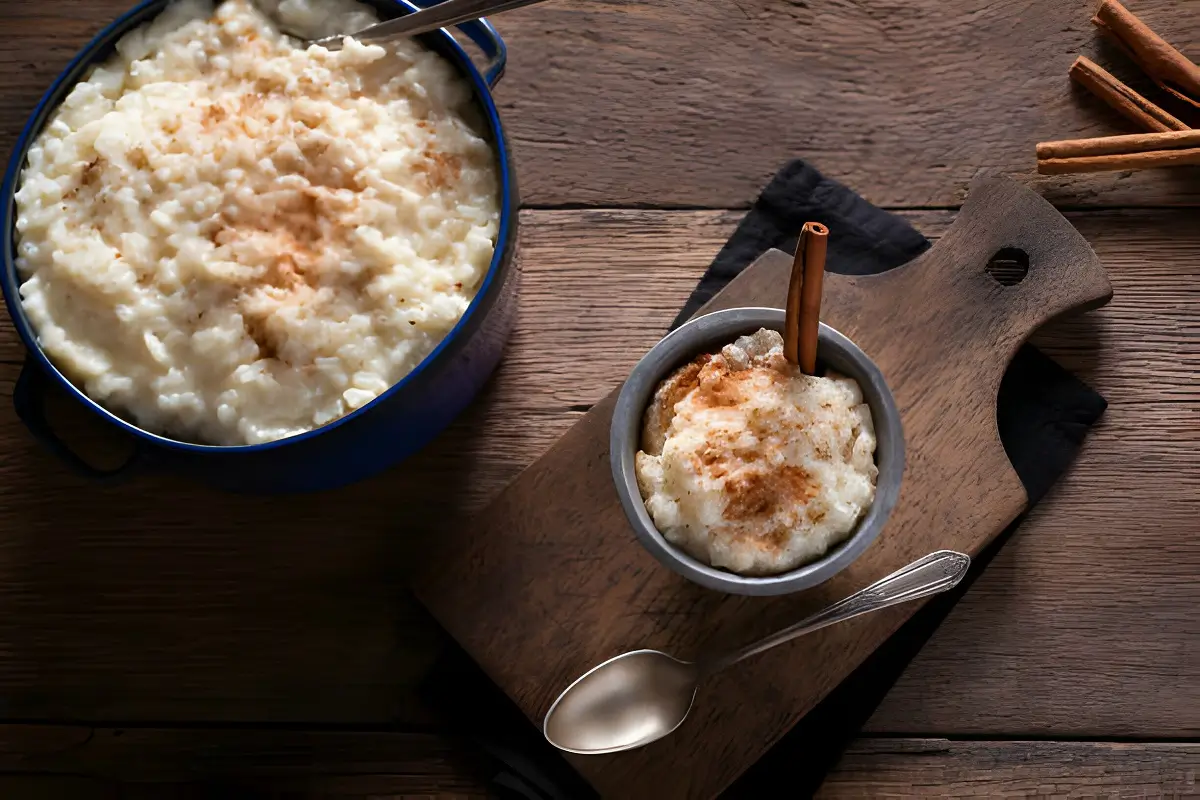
(158, 633)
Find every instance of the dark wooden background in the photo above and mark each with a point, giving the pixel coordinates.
(158, 634)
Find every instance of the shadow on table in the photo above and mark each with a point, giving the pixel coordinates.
(163, 600)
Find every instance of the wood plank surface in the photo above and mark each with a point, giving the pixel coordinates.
(227, 761)
(44, 762)
(926, 768)
(696, 102)
(130, 603)
(64, 787)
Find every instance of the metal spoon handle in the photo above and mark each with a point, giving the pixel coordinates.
(442, 15)
(934, 573)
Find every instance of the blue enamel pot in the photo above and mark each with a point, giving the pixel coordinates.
(392, 427)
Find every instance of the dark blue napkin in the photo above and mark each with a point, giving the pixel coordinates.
(1044, 413)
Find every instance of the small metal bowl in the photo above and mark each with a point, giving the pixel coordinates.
(707, 334)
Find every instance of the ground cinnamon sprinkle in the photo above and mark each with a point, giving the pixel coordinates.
(440, 169)
(91, 171)
(759, 492)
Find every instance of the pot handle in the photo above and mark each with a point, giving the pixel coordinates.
(29, 401)
(484, 34)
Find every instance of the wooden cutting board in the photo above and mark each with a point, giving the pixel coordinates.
(550, 581)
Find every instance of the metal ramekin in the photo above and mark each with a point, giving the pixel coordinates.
(707, 334)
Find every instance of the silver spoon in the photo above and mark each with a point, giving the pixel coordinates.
(643, 695)
(442, 15)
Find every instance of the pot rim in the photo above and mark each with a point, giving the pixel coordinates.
(100, 47)
(702, 334)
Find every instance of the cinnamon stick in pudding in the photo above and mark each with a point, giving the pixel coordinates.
(1128, 103)
(1169, 68)
(803, 313)
(1107, 153)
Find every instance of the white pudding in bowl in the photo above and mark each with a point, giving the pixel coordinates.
(230, 240)
(749, 465)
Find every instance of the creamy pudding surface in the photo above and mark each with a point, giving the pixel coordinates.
(749, 465)
(231, 240)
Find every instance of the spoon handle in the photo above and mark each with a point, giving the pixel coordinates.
(934, 573)
(442, 15)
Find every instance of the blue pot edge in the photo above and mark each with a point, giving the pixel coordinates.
(71, 74)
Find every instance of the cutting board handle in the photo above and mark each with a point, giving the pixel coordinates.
(958, 314)
(1003, 218)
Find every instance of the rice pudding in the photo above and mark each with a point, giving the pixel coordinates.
(231, 240)
(750, 465)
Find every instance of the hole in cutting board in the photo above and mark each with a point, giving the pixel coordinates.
(1009, 266)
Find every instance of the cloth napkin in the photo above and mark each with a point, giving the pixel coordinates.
(1044, 413)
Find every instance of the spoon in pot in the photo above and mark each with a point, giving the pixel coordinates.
(643, 695)
(442, 15)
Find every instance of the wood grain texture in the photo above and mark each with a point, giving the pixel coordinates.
(59, 762)
(129, 603)
(59, 787)
(697, 103)
(571, 586)
(648, 101)
(928, 768)
(225, 762)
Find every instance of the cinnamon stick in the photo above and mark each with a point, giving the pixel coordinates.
(1169, 68)
(1131, 105)
(1114, 145)
(802, 322)
(1119, 161)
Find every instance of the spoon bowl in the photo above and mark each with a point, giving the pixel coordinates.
(628, 701)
